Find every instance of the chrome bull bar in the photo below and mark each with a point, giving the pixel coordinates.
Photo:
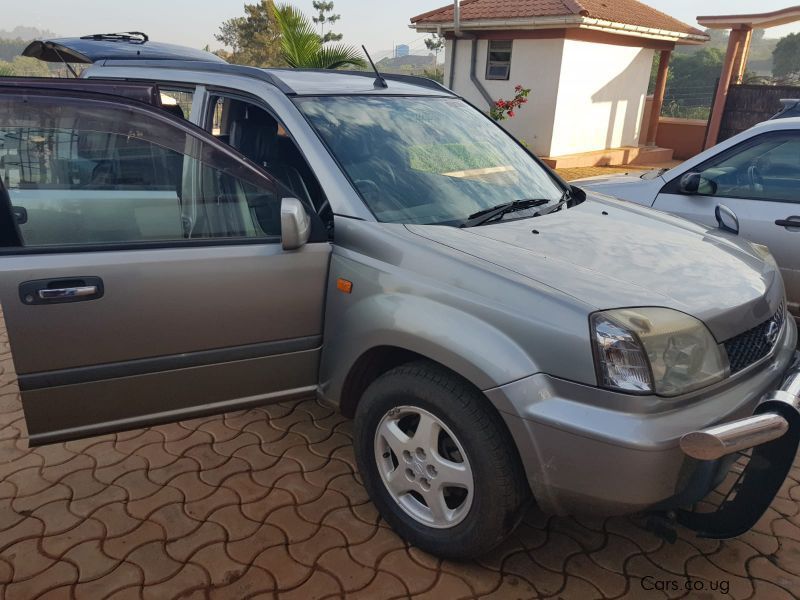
(771, 437)
(765, 426)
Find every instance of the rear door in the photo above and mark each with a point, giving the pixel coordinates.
(142, 276)
(760, 181)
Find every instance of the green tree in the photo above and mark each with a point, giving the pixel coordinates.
(786, 56)
(255, 38)
(323, 17)
(435, 43)
(23, 66)
(301, 47)
(9, 49)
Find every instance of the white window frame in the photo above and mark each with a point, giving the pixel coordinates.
(492, 64)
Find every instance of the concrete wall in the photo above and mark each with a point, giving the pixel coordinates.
(585, 96)
(534, 64)
(601, 97)
(685, 136)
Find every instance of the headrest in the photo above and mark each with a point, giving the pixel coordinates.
(255, 135)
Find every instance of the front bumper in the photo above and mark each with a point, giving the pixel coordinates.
(587, 450)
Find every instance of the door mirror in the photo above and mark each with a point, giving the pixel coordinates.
(295, 224)
(690, 183)
(726, 219)
(693, 182)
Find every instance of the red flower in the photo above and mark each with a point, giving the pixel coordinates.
(511, 113)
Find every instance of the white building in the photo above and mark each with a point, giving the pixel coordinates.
(587, 63)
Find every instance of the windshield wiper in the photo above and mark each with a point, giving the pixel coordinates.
(566, 197)
(489, 214)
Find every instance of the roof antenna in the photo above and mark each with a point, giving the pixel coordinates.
(380, 82)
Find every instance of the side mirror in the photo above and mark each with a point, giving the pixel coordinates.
(690, 183)
(726, 219)
(295, 224)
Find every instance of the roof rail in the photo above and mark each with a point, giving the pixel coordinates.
(270, 75)
(410, 79)
(207, 67)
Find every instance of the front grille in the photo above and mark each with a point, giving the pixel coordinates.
(754, 344)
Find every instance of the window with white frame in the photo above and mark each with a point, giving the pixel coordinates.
(498, 62)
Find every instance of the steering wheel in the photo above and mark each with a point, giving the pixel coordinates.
(755, 178)
(369, 189)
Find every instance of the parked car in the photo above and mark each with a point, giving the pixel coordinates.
(791, 108)
(755, 173)
(497, 335)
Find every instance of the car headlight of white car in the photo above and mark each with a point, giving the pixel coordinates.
(655, 350)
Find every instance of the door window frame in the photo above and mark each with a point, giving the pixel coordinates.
(673, 186)
(7, 246)
(205, 119)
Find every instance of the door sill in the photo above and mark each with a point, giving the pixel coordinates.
(171, 416)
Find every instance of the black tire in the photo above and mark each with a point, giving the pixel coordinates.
(500, 492)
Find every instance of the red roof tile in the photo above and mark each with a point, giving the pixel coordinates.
(628, 12)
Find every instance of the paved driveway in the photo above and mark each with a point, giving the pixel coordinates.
(266, 503)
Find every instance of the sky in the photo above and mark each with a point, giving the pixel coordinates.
(380, 24)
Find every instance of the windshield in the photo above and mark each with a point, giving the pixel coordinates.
(427, 160)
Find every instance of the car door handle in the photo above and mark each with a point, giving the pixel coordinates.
(62, 290)
(793, 221)
(68, 292)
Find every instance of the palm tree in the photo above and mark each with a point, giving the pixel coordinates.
(302, 47)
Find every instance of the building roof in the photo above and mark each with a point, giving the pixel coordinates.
(760, 20)
(560, 13)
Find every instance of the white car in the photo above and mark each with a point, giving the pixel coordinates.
(756, 174)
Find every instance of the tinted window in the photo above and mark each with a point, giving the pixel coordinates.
(767, 168)
(95, 173)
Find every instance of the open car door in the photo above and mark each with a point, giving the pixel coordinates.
(142, 274)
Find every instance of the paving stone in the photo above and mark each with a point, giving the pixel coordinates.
(124, 576)
(57, 575)
(90, 560)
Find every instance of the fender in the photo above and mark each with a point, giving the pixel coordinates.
(469, 346)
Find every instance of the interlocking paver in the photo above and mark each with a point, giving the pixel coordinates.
(268, 501)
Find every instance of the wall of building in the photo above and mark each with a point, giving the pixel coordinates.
(601, 97)
(585, 95)
(535, 63)
(685, 136)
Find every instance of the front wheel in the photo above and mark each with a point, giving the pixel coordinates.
(438, 461)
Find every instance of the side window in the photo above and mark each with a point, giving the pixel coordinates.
(767, 168)
(255, 133)
(498, 62)
(86, 172)
(177, 101)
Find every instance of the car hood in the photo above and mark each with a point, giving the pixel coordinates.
(637, 187)
(611, 254)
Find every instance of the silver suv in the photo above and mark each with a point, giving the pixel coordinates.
(181, 236)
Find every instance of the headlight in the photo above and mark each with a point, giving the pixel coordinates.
(645, 350)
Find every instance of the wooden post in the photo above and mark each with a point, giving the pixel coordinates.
(740, 63)
(658, 96)
(734, 42)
